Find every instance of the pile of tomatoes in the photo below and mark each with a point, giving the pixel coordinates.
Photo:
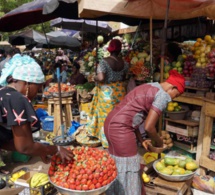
(90, 169)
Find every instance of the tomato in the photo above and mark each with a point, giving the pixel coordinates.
(98, 185)
(78, 187)
(85, 187)
(79, 177)
(105, 182)
(95, 181)
(83, 181)
(72, 186)
(100, 179)
(92, 187)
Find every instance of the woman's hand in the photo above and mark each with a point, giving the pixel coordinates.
(65, 154)
(145, 144)
(45, 159)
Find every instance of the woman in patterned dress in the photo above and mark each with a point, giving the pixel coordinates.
(143, 104)
(21, 79)
(109, 90)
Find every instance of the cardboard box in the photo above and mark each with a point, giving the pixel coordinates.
(11, 191)
(25, 179)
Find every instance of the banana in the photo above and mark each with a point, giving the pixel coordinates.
(35, 180)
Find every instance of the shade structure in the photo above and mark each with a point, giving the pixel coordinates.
(32, 13)
(29, 37)
(82, 25)
(155, 9)
(39, 11)
(4, 45)
(64, 41)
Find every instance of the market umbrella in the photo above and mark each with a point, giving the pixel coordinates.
(4, 45)
(29, 37)
(65, 41)
(32, 13)
(39, 11)
(82, 25)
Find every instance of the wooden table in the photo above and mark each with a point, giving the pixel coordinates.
(164, 187)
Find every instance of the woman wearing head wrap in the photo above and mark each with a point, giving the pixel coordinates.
(143, 105)
(109, 91)
(76, 77)
(21, 79)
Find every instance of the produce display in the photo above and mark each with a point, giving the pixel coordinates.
(90, 169)
(176, 166)
(54, 89)
(86, 86)
(173, 106)
(16, 175)
(167, 139)
(211, 64)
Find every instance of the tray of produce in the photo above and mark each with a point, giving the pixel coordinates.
(175, 169)
(53, 91)
(91, 172)
(83, 138)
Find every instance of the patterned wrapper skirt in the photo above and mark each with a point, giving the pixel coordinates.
(106, 96)
(128, 180)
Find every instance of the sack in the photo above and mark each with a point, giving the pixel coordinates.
(73, 128)
(131, 84)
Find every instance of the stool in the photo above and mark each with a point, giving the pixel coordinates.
(54, 107)
(164, 187)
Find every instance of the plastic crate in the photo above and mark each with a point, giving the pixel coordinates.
(47, 123)
(47, 189)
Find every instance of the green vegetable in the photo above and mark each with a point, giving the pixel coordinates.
(87, 86)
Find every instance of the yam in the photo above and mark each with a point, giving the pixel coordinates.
(170, 145)
(163, 133)
(168, 141)
(167, 136)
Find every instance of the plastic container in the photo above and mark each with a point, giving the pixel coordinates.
(47, 123)
(177, 115)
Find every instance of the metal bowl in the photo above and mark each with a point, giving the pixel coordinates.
(66, 191)
(173, 177)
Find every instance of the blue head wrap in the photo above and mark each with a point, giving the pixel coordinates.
(22, 68)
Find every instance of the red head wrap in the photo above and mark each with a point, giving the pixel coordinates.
(115, 45)
(177, 80)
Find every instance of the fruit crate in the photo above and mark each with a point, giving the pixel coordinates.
(46, 189)
(182, 127)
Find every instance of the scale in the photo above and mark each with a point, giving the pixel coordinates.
(62, 140)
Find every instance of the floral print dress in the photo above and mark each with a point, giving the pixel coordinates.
(106, 96)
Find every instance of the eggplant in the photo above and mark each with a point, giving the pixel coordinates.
(2, 183)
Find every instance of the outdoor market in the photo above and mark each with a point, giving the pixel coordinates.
(107, 97)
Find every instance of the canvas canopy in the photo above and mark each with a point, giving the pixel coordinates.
(156, 9)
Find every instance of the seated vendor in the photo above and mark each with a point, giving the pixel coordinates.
(76, 77)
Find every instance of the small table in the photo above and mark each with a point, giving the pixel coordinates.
(54, 107)
(165, 187)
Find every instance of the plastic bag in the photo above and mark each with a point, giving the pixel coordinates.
(131, 84)
(73, 128)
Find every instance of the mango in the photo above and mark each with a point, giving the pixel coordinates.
(166, 171)
(159, 166)
(171, 161)
(188, 159)
(179, 171)
(182, 163)
(191, 166)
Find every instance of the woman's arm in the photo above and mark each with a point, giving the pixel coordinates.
(24, 143)
(100, 77)
(149, 126)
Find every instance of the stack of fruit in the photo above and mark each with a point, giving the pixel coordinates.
(91, 169)
(189, 64)
(176, 166)
(173, 106)
(211, 64)
(17, 175)
(166, 139)
(201, 49)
